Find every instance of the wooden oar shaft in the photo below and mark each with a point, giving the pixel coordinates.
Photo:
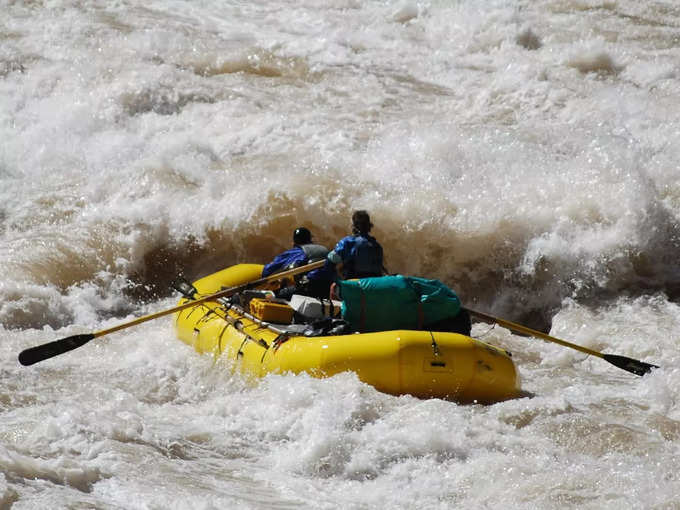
(57, 347)
(532, 332)
(634, 366)
(212, 297)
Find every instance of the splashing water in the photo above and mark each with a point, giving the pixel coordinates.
(525, 153)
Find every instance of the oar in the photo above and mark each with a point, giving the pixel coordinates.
(631, 365)
(57, 347)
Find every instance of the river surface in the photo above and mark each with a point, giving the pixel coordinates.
(526, 153)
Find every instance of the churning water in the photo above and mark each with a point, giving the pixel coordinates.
(524, 152)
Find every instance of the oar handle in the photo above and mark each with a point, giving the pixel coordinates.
(57, 347)
(631, 365)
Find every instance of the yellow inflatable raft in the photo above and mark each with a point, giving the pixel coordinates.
(425, 364)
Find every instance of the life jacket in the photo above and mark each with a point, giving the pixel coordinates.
(314, 252)
(295, 257)
(365, 259)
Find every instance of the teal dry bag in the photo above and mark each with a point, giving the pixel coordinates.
(396, 302)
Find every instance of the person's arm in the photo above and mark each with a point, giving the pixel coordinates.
(283, 260)
(273, 266)
(342, 250)
(339, 254)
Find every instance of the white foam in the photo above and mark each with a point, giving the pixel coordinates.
(535, 179)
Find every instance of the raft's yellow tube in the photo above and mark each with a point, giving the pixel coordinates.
(420, 363)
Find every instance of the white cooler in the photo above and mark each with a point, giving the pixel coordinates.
(314, 307)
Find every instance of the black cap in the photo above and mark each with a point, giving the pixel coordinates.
(302, 236)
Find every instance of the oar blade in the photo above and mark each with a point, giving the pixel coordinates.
(52, 349)
(631, 365)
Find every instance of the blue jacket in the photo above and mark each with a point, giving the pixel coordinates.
(295, 257)
(361, 256)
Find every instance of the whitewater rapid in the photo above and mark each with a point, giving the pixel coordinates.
(525, 153)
